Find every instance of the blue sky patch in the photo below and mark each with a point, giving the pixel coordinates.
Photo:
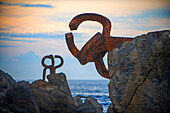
(146, 14)
(4, 46)
(26, 5)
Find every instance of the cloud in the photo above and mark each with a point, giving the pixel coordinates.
(25, 5)
(2, 38)
(31, 24)
(9, 39)
(34, 35)
(57, 19)
(41, 47)
(26, 66)
(4, 46)
(4, 29)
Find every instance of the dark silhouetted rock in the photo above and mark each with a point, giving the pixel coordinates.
(6, 82)
(90, 106)
(4, 109)
(140, 74)
(53, 96)
(42, 97)
(20, 99)
(78, 100)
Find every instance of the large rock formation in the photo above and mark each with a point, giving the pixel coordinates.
(53, 96)
(42, 97)
(20, 99)
(6, 82)
(140, 74)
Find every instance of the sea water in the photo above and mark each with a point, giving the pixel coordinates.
(98, 89)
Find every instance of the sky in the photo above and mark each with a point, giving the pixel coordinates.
(31, 29)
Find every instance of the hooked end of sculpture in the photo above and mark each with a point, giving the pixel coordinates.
(73, 25)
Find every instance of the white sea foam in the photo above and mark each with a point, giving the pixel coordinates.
(97, 89)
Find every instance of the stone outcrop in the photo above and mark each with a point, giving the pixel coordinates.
(42, 97)
(78, 101)
(20, 99)
(53, 96)
(6, 82)
(90, 106)
(140, 74)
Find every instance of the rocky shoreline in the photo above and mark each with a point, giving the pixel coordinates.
(139, 73)
(42, 97)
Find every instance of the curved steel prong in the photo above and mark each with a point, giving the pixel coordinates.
(47, 57)
(101, 68)
(47, 66)
(70, 43)
(61, 63)
(77, 20)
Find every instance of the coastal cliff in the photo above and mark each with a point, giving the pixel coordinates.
(140, 74)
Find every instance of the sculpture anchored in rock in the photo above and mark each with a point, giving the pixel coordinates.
(95, 49)
(51, 67)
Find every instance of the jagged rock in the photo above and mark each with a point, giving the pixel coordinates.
(4, 109)
(6, 82)
(90, 106)
(140, 74)
(110, 109)
(20, 99)
(60, 81)
(78, 100)
(42, 97)
(53, 96)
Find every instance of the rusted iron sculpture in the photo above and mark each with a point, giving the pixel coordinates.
(95, 49)
(51, 67)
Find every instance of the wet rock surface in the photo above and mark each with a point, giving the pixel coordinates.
(140, 74)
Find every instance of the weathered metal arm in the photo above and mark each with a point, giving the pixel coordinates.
(70, 43)
(95, 49)
(100, 66)
(61, 63)
(77, 20)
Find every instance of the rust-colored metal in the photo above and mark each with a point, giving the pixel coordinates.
(51, 67)
(95, 49)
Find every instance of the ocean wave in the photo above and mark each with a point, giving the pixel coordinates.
(98, 89)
